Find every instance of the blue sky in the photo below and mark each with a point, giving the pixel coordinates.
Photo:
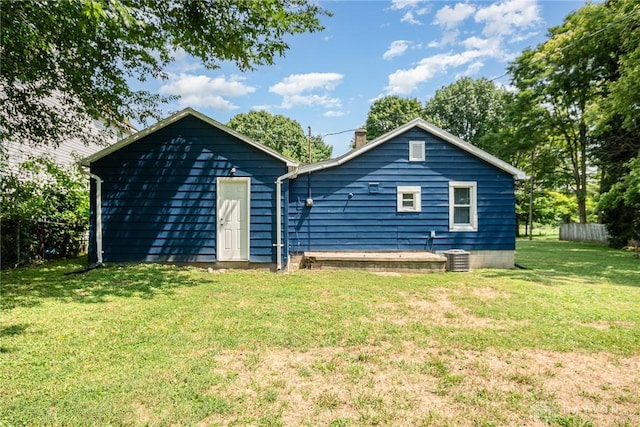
(328, 80)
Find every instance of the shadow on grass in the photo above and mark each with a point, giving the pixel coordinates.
(29, 286)
(547, 261)
(10, 331)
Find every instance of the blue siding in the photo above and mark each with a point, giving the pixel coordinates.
(346, 216)
(159, 194)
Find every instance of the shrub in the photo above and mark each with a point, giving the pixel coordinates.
(44, 212)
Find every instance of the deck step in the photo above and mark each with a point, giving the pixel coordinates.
(375, 261)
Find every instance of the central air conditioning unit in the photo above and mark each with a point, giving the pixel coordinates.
(457, 260)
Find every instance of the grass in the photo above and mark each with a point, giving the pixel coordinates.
(555, 344)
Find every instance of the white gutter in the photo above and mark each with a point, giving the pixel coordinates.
(98, 216)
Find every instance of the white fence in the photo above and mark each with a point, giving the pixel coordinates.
(596, 233)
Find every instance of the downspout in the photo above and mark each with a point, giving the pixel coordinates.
(278, 244)
(98, 214)
(285, 234)
(279, 223)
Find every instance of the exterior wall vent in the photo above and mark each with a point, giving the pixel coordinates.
(457, 260)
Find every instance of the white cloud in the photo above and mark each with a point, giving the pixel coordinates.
(404, 4)
(473, 68)
(183, 63)
(298, 83)
(396, 48)
(403, 82)
(491, 47)
(263, 107)
(448, 38)
(450, 17)
(508, 17)
(409, 19)
(411, 8)
(205, 91)
(523, 37)
(308, 90)
(334, 113)
(291, 101)
(476, 43)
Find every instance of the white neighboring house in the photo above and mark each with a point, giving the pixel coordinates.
(69, 151)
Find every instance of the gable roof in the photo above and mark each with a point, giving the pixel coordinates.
(421, 124)
(174, 118)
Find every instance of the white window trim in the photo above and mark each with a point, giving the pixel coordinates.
(421, 149)
(417, 199)
(474, 206)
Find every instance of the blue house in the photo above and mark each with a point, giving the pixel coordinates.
(417, 188)
(189, 189)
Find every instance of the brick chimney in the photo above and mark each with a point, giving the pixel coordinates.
(361, 138)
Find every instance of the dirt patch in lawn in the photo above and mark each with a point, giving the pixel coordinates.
(410, 385)
(438, 308)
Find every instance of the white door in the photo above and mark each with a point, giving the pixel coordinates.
(233, 219)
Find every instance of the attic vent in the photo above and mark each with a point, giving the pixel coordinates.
(416, 151)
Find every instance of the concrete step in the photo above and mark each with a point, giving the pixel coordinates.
(415, 261)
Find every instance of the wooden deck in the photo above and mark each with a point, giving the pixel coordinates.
(375, 261)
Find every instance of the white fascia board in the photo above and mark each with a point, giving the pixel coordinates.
(174, 118)
(434, 130)
(472, 149)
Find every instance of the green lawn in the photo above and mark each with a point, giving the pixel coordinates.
(555, 344)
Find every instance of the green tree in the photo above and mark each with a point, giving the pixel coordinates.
(620, 50)
(617, 117)
(281, 133)
(583, 79)
(86, 52)
(469, 109)
(522, 140)
(44, 211)
(390, 112)
(561, 77)
(623, 199)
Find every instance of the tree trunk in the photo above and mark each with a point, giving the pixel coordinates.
(531, 195)
(582, 206)
(582, 187)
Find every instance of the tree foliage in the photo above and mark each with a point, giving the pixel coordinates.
(579, 83)
(281, 133)
(469, 109)
(619, 49)
(561, 81)
(623, 201)
(390, 112)
(472, 110)
(84, 53)
(44, 212)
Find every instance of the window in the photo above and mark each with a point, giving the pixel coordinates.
(463, 215)
(409, 199)
(416, 151)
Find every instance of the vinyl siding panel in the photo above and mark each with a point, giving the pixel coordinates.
(64, 152)
(159, 194)
(346, 216)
